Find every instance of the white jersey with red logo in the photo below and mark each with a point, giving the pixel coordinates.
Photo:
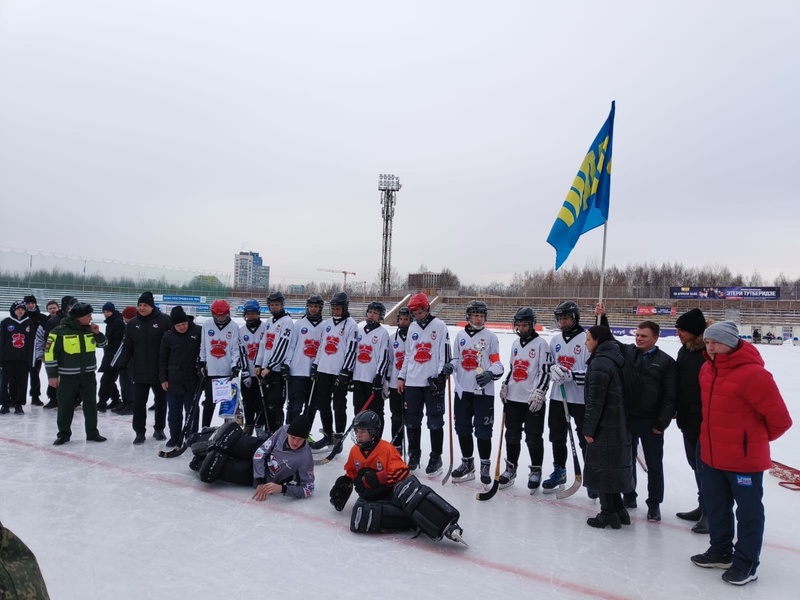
(219, 347)
(474, 352)
(338, 350)
(372, 353)
(572, 355)
(427, 350)
(277, 335)
(303, 347)
(251, 341)
(530, 367)
(397, 354)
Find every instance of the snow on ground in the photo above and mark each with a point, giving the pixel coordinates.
(114, 520)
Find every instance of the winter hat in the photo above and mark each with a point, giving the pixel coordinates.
(177, 315)
(693, 321)
(146, 298)
(725, 332)
(17, 304)
(29, 299)
(81, 309)
(129, 312)
(299, 427)
(67, 302)
(109, 306)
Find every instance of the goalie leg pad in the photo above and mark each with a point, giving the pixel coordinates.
(237, 471)
(226, 436)
(244, 448)
(426, 509)
(212, 466)
(378, 516)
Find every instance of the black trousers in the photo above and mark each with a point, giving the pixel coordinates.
(15, 382)
(141, 392)
(36, 384)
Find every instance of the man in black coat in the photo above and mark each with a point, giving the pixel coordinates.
(649, 376)
(142, 344)
(38, 320)
(115, 332)
(180, 348)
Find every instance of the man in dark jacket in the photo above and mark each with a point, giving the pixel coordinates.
(180, 348)
(649, 382)
(38, 319)
(688, 407)
(16, 356)
(142, 344)
(115, 332)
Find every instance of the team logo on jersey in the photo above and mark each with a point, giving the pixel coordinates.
(358, 338)
(532, 353)
(378, 465)
(558, 347)
(270, 341)
(364, 353)
(358, 465)
(462, 342)
(514, 352)
(252, 351)
(211, 333)
(519, 370)
(566, 361)
(18, 340)
(229, 335)
(399, 359)
(304, 330)
(277, 329)
(395, 345)
(246, 337)
(374, 339)
(577, 349)
(10, 328)
(331, 344)
(219, 348)
(433, 336)
(310, 348)
(469, 359)
(327, 329)
(422, 352)
(415, 336)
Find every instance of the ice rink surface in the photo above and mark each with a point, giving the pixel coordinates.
(115, 521)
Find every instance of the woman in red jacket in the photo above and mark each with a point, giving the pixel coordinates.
(743, 411)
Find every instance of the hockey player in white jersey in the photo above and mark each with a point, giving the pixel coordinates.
(397, 352)
(476, 364)
(250, 338)
(524, 393)
(303, 347)
(372, 362)
(570, 354)
(219, 352)
(333, 368)
(270, 359)
(422, 382)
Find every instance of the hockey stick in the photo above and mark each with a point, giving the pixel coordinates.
(450, 419)
(180, 447)
(789, 476)
(488, 495)
(578, 478)
(641, 462)
(337, 448)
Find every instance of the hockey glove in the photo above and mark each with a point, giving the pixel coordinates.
(342, 379)
(285, 371)
(536, 400)
(447, 369)
(504, 393)
(314, 375)
(235, 372)
(436, 384)
(484, 378)
(201, 369)
(340, 492)
(370, 484)
(560, 374)
(377, 385)
(246, 380)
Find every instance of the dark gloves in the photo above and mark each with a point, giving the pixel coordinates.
(377, 384)
(201, 369)
(285, 371)
(313, 373)
(447, 369)
(340, 492)
(371, 484)
(437, 384)
(484, 378)
(235, 372)
(342, 379)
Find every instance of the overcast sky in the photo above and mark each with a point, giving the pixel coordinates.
(206, 127)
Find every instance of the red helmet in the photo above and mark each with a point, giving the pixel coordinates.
(220, 307)
(418, 302)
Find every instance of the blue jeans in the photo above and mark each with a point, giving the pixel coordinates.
(720, 490)
(176, 404)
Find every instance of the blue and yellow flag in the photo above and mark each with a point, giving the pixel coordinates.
(586, 206)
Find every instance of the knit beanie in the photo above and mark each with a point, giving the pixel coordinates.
(109, 306)
(17, 304)
(81, 309)
(146, 298)
(693, 321)
(129, 312)
(177, 315)
(67, 302)
(30, 299)
(724, 332)
(299, 427)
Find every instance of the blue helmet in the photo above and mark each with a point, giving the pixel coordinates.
(252, 306)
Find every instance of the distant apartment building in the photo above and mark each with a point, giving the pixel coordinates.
(249, 271)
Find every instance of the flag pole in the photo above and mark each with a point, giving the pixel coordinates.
(602, 269)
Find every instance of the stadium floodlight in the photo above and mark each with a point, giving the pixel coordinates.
(388, 183)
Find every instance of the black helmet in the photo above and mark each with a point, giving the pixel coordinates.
(476, 306)
(524, 315)
(316, 299)
(568, 308)
(276, 297)
(80, 309)
(340, 299)
(404, 312)
(379, 307)
(370, 421)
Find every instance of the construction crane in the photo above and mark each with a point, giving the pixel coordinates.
(345, 273)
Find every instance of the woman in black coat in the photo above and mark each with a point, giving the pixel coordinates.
(608, 466)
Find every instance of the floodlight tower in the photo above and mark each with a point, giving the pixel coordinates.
(387, 185)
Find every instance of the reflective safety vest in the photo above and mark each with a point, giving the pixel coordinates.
(70, 349)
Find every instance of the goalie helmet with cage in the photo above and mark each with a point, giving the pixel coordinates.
(379, 307)
(527, 316)
(371, 422)
(567, 309)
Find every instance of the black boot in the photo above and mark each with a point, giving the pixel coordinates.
(605, 519)
(701, 526)
(692, 515)
(653, 512)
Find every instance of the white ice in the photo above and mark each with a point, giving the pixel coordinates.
(115, 521)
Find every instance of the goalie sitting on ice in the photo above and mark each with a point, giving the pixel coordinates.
(388, 498)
